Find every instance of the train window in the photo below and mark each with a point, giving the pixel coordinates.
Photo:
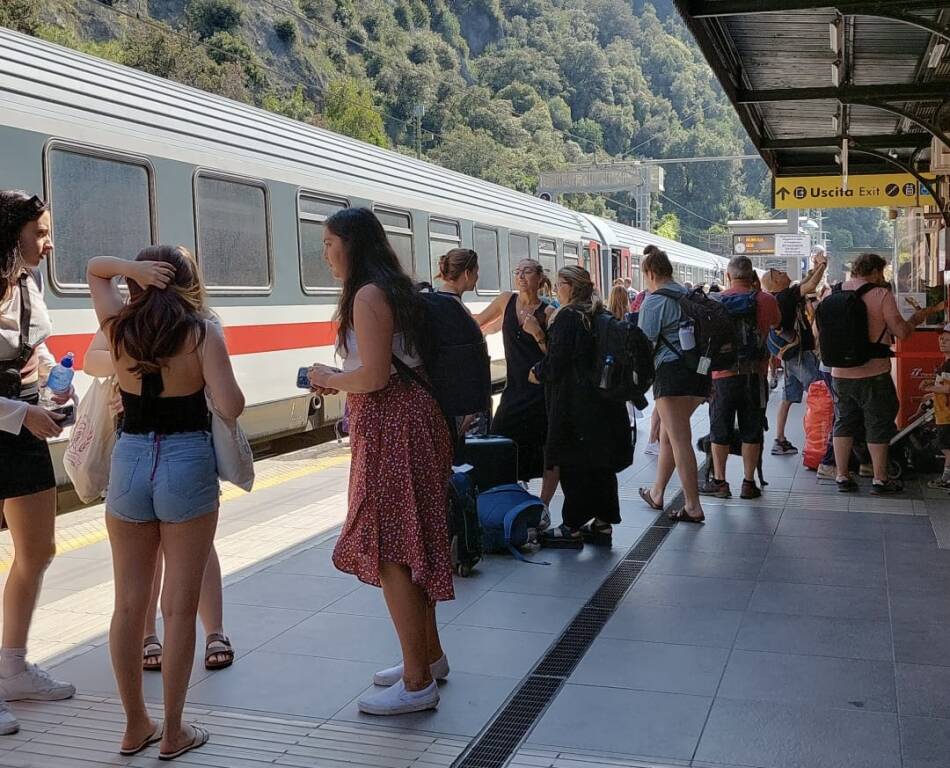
(547, 255)
(231, 226)
(489, 272)
(519, 247)
(398, 226)
(315, 276)
(118, 220)
(570, 254)
(443, 237)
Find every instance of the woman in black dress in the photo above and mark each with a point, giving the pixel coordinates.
(521, 416)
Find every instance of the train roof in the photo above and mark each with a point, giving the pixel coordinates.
(44, 85)
(616, 234)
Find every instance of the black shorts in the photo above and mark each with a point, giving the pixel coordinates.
(25, 464)
(742, 397)
(943, 436)
(676, 379)
(872, 402)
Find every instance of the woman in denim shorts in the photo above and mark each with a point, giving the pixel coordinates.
(163, 488)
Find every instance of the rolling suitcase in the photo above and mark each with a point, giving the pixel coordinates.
(494, 460)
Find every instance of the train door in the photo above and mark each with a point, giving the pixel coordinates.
(615, 264)
(592, 260)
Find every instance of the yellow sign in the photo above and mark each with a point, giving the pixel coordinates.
(895, 190)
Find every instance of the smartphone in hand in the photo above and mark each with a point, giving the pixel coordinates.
(303, 378)
(69, 414)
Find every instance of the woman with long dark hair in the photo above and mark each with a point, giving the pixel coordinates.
(163, 488)
(588, 436)
(396, 530)
(27, 483)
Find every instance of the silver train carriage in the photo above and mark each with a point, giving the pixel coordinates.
(127, 159)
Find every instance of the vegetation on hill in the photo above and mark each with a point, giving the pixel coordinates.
(506, 88)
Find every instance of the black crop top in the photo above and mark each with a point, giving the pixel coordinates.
(148, 412)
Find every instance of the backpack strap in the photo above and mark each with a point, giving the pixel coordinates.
(666, 293)
(410, 374)
(860, 292)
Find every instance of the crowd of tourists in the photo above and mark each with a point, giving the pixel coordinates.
(165, 350)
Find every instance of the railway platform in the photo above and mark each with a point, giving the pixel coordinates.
(806, 628)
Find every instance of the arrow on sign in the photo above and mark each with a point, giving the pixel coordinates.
(783, 193)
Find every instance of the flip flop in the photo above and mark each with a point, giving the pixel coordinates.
(647, 495)
(155, 737)
(684, 517)
(152, 658)
(200, 739)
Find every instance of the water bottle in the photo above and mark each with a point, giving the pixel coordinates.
(687, 336)
(605, 374)
(61, 377)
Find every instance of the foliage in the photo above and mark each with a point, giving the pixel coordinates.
(349, 109)
(209, 16)
(286, 30)
(21, 15)
(669, 226)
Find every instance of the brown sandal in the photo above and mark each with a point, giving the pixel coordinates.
(647, 495)
(225, 650)
(682, 516)
(151, 658)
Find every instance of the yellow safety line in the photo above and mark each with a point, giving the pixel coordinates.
(273, 477)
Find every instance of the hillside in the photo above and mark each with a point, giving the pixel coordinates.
(509, 88)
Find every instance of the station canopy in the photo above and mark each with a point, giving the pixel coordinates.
(804, 76)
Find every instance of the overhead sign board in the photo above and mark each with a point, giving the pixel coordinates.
(896, 190)
(789, 246)
(613, 177)
(753, 245)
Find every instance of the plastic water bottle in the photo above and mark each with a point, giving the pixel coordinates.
(687, 336)
(61, 377)
(608, 369)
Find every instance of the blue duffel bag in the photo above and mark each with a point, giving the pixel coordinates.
(506, 512)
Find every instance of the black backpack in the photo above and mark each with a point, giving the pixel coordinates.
(623, 366)
(842, 318)
(713, 328)
(455, 354)
(465, 532)
(750, 347)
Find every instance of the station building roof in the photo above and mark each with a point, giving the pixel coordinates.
(804, 75)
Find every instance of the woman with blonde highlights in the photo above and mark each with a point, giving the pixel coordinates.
(163, 488)
(588, 436)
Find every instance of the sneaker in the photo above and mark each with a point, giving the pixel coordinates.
(396, 700)
(783, 448)
(827, 471)
(8, 723)
(717, 488)
(940, 484)
(847, 485)
(35, 684)
(652, 449)
(866, 470)
(887, 488)
(391, 676)
(750, 490)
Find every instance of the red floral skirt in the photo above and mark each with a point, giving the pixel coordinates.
(398, 495)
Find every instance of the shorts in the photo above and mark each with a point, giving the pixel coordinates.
(801, 371)
(163, 478)
(743, 397)
(871, 401)
(25, 463)
(943, 436)
(676, 379)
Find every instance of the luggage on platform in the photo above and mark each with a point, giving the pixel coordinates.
(819, 419)
(465, 532)
(494, 460)
(507, 513)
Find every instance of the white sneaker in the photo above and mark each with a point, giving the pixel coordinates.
(35, 684)
(439, 670)
(652, 449)
(396, 700)
(827, 471)
(8, 723)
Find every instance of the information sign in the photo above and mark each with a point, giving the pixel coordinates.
(895, 190)
(753, 245)
(789, 246)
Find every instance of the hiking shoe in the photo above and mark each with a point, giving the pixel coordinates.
(717, 488)
(750, 490)
(783, 448)
(827, 471)
(652, 449)
(940, 484)
(396, 700)
(887, 488)
(847, 485)
(8, 723)
(391, 676)
(866, 470)
(35, 684)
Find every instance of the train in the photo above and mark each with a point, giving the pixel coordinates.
(127, 159)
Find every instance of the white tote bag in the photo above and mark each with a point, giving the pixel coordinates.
(88, 455)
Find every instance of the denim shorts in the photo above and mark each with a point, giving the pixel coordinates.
(163, 478)
(801, 371)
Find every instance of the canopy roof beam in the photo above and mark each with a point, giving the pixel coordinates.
(884, 141)
(847, 94)
(701, 9)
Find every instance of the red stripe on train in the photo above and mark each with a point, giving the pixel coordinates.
(242, 339)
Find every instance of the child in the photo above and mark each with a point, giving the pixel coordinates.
(941, 397)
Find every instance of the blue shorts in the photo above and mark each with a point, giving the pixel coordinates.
(163, 478)
(800, 373)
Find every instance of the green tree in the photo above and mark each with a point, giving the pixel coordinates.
(209, 16)
(286, 30)
(21, 15)
(669, 226)
(348, 109)
(293, 104)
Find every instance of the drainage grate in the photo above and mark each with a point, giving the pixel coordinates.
(497, 742)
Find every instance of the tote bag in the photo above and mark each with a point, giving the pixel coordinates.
(88, 456)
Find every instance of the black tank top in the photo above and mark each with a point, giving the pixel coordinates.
(149, 412)
(521, 354)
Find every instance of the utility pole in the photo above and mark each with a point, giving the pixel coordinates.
(418, 112)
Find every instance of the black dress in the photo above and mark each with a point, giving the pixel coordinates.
(521, 416)
(588, 436)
